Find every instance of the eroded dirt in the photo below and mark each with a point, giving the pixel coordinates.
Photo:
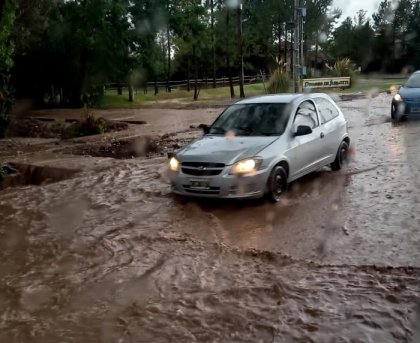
(109, 255)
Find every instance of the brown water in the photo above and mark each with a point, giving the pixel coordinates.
(111, 256)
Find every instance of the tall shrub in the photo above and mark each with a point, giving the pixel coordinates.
(279, 82)
(344, 68)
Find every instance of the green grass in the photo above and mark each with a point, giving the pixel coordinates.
(113, 100)
(364, 84)
(220, 94)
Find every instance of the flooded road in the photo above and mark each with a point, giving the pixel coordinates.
(111, 256)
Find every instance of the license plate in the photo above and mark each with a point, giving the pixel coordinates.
(200, 184)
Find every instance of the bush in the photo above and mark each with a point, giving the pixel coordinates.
(87, 127)
(344, 67)
(93, 96)
(279, 82)
(309, 73)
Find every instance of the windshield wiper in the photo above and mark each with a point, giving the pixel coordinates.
(216, 130)
(244, 129)
(262, 133)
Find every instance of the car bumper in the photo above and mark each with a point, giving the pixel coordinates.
(408, 108)
(224, 185)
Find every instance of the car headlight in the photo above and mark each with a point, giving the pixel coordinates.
(247, 166)
(174, 164)
(398, 97)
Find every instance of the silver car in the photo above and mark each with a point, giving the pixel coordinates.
(257, 146)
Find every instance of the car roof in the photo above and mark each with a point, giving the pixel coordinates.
(281, 98)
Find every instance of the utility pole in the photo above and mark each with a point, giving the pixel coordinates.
(296, 46)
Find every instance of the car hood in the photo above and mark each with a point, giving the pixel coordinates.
(407, 92)
(220, 149)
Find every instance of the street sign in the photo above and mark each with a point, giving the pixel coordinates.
(330, 82)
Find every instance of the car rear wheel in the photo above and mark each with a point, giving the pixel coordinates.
(277, 184)
(341, 156)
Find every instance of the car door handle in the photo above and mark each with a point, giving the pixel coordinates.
(322, 135)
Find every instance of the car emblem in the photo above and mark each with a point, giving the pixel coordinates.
(201, 168)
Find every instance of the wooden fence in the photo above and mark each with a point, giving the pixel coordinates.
(185, 84)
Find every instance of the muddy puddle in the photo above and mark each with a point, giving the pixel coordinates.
(112, 256)
(132, 147)
(20, 174)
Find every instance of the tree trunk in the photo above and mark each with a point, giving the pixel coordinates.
(285, 46)
(119, 89)
(168, 41)
(279, 38)
(196, 91)
(213, 42)
(232, 89)
(292, 55)
(156, 87)
(188, 73)
(130, 89)
(130, 92)
(76, 95)
(393, 48)
(241, 52)
(2, 4)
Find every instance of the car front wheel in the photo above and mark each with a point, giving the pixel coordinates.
(277, 184)
(397, 114)
(394, 112)
(341, 156)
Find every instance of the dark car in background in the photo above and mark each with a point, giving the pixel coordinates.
(407, 100)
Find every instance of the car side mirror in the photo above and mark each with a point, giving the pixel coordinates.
(303, 130)
(205, 128)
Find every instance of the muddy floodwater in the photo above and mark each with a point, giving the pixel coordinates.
(109, 255)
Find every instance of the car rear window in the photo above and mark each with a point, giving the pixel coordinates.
(327, 110)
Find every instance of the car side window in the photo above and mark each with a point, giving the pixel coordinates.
(327, 110)
(306, 115)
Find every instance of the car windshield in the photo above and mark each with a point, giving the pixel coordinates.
(252, 120)
(413, 81)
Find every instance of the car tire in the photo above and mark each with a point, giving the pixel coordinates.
(394, 114)
(276, 184)
(341, 156)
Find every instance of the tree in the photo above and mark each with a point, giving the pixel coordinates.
(317, 25)
(241, 50)
(191, 36)
(150, 22)
(353, 40)
(212, 5)
(399, 31)
(7, 46)
(225, 45)
(413, 37)
(70, 48)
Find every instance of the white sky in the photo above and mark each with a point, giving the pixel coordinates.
(351, 7)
